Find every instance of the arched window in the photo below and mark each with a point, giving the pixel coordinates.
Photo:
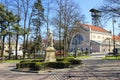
(77, 39)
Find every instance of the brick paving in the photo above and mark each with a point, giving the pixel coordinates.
(90, 70)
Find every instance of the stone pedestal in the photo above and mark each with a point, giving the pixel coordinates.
(50, 54)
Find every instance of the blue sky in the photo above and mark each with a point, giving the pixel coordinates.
(86, 5)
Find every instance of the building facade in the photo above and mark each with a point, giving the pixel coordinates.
(93, 39)
(13, 48)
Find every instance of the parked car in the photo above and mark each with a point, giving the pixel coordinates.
(19, 53)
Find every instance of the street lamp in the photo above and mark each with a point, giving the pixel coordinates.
(114, 52)
(109, 43)
(75, 48)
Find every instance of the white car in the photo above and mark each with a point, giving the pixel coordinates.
(19, 53)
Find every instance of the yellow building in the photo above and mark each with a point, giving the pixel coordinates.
(6, 49)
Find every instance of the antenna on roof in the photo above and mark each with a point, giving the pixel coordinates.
(95, 14)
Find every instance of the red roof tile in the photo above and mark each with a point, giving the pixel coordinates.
(95, 28)
(44, 41)
(116, 37)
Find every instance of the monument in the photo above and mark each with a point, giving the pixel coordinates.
(50, 50)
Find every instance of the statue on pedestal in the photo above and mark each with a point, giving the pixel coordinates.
(50, 50)
(50, 38)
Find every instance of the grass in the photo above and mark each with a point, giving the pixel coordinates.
(76, 57)
(80, 57)
(12, 61)
(112, 57)
(17, 61)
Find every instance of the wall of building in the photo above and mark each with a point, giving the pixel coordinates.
(94, 40)
(85, 43)
(13, 46)
(99, 36)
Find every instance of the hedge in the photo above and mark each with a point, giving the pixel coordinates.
(60, 59)
(38, 65)
(30, 65)
(58, 65)
(75, 62)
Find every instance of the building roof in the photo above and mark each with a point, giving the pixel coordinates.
(95, 28)
(44, 41)
(92, 27)
(116, 37)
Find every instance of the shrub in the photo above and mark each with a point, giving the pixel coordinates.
(17, 65)
(58, 65)
(40, 65)
(80, 54)
(25, 61)
(75, 61)
(22, 65)
(60, 59)
(70, 58)
(37, 60)
(86, 52)
(64, 59)
(32, 65)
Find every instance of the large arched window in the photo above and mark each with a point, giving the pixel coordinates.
(77, 39)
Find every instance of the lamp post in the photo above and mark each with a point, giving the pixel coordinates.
(109, 43)
(75, 48)
(113, 21)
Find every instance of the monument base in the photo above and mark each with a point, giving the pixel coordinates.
(50, 54)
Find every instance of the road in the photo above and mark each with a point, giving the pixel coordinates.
(97, 55)
(92, 69)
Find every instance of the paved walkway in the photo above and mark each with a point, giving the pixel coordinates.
(92, 69)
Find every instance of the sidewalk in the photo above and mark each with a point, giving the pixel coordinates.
(92, 69)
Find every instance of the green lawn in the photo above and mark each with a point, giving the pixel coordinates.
(81, 57)
(12, 61)
(112, 57)
(17, 61)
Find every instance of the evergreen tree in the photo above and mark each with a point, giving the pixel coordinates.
(11, 18)
(17, 31)
(6, 18)
(37, 19)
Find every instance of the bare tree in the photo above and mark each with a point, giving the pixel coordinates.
(110, 8)
(48, 8)
(23, 9)
(27, 15)
(67, 13)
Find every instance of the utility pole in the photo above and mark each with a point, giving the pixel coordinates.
(113, 21)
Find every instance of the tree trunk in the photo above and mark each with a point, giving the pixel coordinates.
(34, 52)
(3, 41)
(16, 55)
(3, 48)
(24, 49)
(9, 47)
(9, 57)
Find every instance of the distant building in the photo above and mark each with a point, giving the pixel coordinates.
(6, 49)
(92, 38)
